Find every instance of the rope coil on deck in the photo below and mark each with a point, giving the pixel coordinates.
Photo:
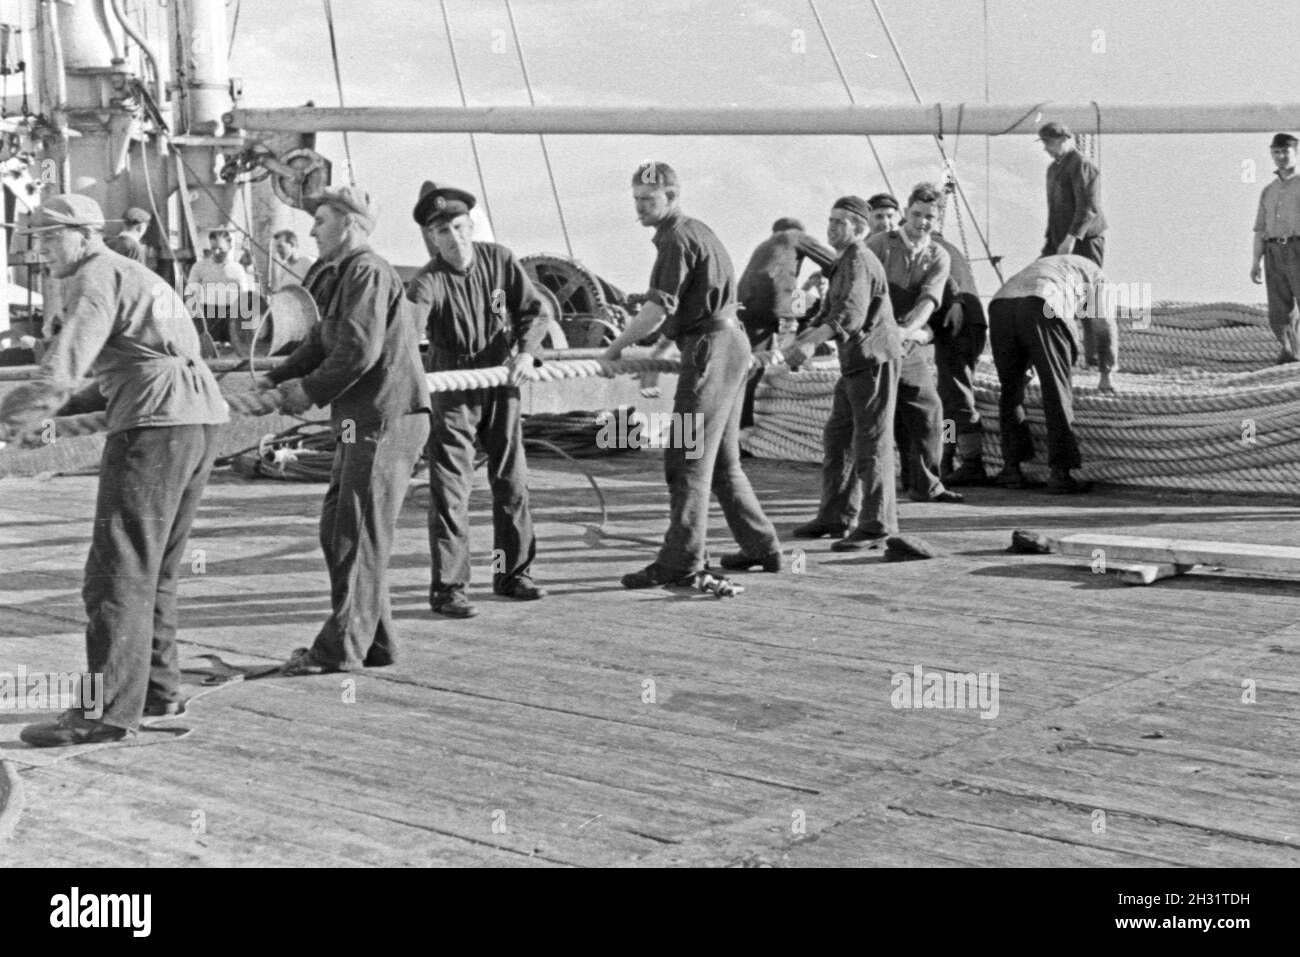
(1231, 423)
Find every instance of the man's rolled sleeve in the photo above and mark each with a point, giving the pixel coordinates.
(668, 279)
(360, 330)
(1259, 217)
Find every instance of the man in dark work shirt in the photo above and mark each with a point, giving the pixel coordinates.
(769, 292)
(363, 361)
(482, 310)
(1075, 224)
(692, 301)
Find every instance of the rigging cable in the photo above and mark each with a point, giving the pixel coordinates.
(338, 82)
(234, 28)
(848, 89)
(546, 155)
(938, 140)
(473, 140)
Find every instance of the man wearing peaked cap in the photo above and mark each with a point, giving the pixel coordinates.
(127, 326)
(481, 310)
(362, 360)
(1275, 258)
(441, 202)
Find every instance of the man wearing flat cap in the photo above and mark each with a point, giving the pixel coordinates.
(858, 497)
(363, 361)
(481, 310)
(768, 292)
(129, 330)
(885, 215)
(130, 241)
(1075, 224)
(692, 302)
(1275, 258)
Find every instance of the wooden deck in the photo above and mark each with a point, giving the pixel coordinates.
(525, 737)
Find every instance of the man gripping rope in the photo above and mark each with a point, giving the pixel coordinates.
(692, 301)
(133, 334)
(482, 310)
(363, 361)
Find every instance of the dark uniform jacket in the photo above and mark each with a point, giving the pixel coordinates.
(363, 358)
(476, 318)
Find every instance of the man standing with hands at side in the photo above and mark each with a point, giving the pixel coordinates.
(363, 361)
(1275, 258)
(1075, 224)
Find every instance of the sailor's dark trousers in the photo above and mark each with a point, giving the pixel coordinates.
(710, 388)
(150, 483)
(493, 416)
(1282, 282)
(368, 484)
(1025, 333)
(858, 456)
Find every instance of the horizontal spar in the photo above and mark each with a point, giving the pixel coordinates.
(899, 120)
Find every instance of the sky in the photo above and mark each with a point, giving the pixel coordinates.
(1180, 208)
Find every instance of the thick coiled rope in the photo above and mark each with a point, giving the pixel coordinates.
(1200, 407)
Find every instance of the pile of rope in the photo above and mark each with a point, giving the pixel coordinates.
(1179, 421)
(304, 453)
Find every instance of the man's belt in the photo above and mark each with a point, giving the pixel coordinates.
(1283, 240)
(727, 320)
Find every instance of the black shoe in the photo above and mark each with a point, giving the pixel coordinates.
(858, 540)
(908, 548)
(819, 529)
(164, 709)
(652, 576)
(740, 562)
(454, 604)
(1066, 485)
(970, 472)
(1012, 478)
(303, 662)
(522, 588)
(71, 728)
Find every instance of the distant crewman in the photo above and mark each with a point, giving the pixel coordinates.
(961, 331)
(220, 289)
(917, 270)
(769, 292)
(1075, 224)
(128, 329)
(130, 241)
(289, 266)
(858, 496)
(480, 309)
(692, 301)
(1275, 258)
(885, 216)
(363, 361)
(1034, 321)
